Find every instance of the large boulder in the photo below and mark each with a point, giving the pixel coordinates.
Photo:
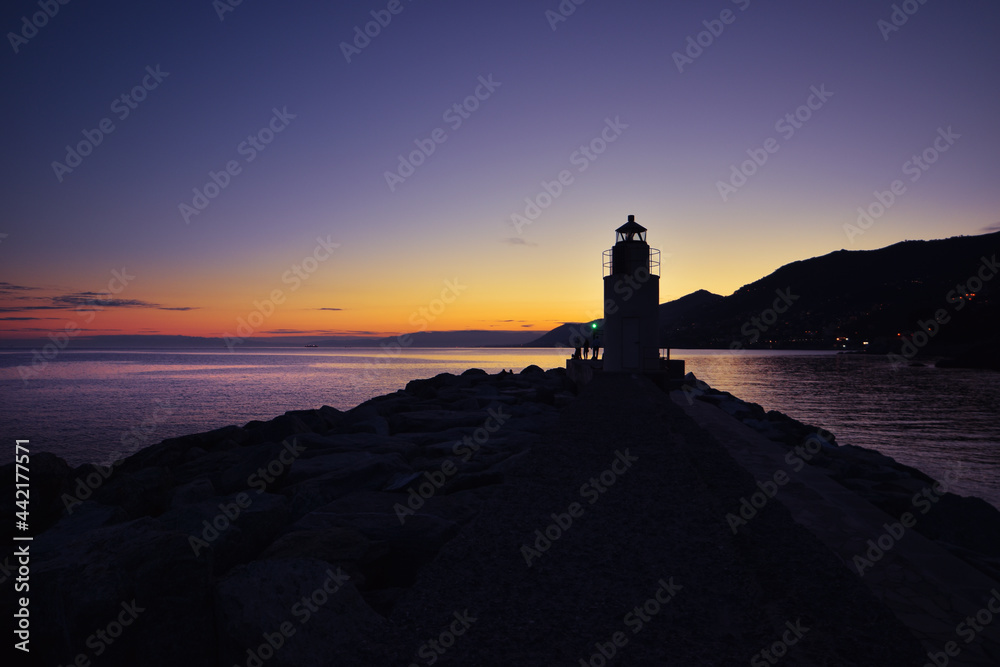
(337, 546)
(285, 426)
(227, 530)
(172, 451)
(434, 420)
(428, 388)
(136, 580)
(322, 445)
(261, 467)
(325, 479)
(145, 492)
(297, 612)
(411, 537)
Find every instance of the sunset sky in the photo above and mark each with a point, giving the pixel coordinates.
(309, 117)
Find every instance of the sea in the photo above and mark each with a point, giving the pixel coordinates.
(100, 405)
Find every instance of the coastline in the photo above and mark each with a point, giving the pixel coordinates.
(373, 503)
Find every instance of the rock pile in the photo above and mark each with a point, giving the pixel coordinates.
(217, 548)
(224, 544)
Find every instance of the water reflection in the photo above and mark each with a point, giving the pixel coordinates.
(84, 402)
(935, 419)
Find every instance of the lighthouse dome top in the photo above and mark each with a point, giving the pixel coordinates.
(630, 231)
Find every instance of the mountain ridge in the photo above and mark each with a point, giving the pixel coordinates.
(847, 299)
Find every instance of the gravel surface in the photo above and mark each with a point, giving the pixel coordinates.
(658, 529)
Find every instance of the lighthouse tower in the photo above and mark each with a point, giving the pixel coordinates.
(631, 302)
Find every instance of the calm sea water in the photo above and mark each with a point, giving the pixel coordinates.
(98, 405)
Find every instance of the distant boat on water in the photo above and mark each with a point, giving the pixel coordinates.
(312, 345)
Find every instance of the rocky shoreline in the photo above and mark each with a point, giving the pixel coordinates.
(370, 494)
(303, 540)
(965, 526)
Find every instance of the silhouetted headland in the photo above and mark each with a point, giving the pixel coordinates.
(914, 299)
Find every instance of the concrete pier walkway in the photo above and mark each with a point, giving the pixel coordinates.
(608, 544)
(931, 591)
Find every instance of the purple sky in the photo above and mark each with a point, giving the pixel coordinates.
(671, 135)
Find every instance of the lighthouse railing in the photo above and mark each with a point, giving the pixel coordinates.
(654, 262)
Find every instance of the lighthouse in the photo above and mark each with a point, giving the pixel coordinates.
(631, 302)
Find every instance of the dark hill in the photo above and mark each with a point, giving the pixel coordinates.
(850, 296)
(562, 334)
(689, 308)
(847, 297)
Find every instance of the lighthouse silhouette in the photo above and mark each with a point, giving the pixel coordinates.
(631, 302)
(630, 331)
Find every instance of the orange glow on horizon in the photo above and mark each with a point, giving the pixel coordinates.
(476, 282)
